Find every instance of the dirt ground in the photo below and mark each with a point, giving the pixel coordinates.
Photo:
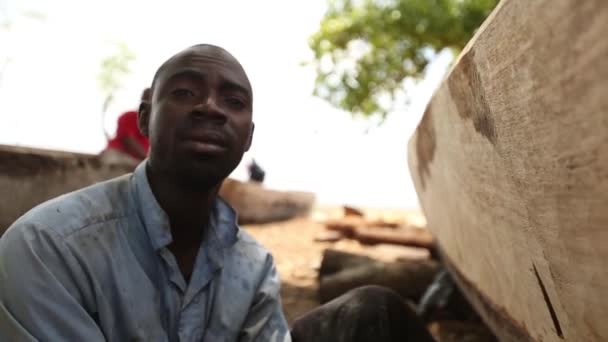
(298, 258)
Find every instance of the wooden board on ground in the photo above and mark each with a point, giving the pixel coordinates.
(510, 162)
(257, 204)
(341, 272)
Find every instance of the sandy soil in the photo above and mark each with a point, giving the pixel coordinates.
(298, 257)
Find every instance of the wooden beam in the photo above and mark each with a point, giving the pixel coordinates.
(510, 162)
(341, 272)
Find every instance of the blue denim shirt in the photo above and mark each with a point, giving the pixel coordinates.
(93, 265)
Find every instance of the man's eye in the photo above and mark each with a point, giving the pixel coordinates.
(235, 102)
(182, 92)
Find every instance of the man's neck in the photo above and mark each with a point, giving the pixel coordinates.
(189, 211)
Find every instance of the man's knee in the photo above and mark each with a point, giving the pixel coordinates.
(372, 296)
(373, 293)
(363, 314)
(380, 309)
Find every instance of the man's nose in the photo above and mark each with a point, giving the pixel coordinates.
(209, 109)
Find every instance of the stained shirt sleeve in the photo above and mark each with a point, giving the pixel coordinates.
(265, 320)
(40, 294)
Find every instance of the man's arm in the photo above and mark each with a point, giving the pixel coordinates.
(39, 294)
(265, 320)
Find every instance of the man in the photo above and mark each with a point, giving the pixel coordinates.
(156, 255)
(153, 256)
(129, 146)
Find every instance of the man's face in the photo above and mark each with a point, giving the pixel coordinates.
(199, 120)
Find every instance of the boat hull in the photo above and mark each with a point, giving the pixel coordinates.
(510, 163)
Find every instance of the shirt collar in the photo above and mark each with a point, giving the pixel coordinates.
(223, 228)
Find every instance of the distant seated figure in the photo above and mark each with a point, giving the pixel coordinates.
(256, 173)
(129, 146)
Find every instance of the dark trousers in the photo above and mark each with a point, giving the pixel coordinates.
(370, 313)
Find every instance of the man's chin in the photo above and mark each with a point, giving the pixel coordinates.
(200, 184)
(202, 177)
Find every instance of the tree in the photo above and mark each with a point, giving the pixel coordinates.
(113, 68)
(365, 50)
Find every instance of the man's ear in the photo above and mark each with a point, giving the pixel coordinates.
(250, 140)
(143, 117)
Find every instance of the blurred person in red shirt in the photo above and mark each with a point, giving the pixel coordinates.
(129, 146)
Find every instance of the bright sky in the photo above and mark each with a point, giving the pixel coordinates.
(49, 95)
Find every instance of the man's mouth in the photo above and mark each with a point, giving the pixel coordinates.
(206, 143)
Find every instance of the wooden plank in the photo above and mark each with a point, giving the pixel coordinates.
(414, 237)
(341, 272)
(510, 162)
(258, 204)
(494, 315)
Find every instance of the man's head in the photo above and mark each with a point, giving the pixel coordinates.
(145, 95)
(198, 116)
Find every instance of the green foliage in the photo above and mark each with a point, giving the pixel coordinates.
(364, 50)
(113, 68)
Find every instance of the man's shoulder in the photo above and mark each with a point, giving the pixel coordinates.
(248, 248)
(69, 213)
(246, 239)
